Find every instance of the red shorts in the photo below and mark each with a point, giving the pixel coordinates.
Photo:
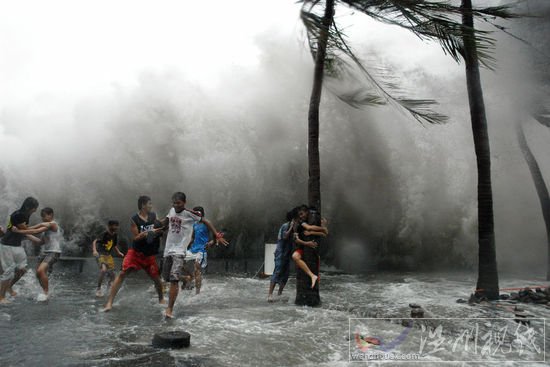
(136, 260)
(300, 251)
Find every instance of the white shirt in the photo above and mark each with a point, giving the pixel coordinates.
(180, 231)
(52, 240)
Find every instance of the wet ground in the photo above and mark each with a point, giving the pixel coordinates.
(231, 324)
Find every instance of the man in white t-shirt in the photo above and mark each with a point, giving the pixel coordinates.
(179, 221)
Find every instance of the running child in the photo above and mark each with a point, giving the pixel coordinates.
(13, 259)
(50, 242)
(200, 242)
(146, 233)
(179, 221)
(103, 249)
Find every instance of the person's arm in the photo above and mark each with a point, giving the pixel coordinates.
(94, 248)
(136, 235)
(314, 228)
(218, 236)
(119, 253)
(298, 241)
(289, 230)
(164, 223)
(192, 240)
(23, 229)
(35, 240)
(315, 233)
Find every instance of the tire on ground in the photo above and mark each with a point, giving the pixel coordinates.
(172, 339)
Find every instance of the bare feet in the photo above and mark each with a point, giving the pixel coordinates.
(12, 292)
(4, 301)
(168, 314)
(98, 293)
(162, 301)
(270, 298)
(313, 280)
(108, 307)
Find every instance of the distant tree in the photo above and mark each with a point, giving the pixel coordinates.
(540, 184)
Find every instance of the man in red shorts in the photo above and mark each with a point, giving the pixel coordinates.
(141, 255)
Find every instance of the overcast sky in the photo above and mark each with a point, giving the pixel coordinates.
(71, 48)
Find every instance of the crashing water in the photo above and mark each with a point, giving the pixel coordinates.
(231, 324)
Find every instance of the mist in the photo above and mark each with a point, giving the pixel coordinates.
(228, 126)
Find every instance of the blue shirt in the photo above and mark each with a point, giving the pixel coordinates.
(282, 231)
(201, 237)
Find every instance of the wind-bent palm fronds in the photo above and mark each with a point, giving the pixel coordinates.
(429, 20)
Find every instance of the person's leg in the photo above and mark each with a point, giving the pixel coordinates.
(102, 272)
(198, 277)
(151, 268)
(174, 289)
(115, 288)
(18, 275)
(8, 267)
(175, 274)
(159, 288)
(297, 257)
(285, 272)
(20, 259)
(42, 275)
(110, 277)
(270, 292)
(281, 287)
(4, 284)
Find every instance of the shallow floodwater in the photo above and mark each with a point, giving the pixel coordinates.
(231, 324)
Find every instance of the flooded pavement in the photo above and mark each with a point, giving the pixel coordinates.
(231, 323)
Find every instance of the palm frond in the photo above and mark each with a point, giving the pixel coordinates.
(377, 87)
(434, 20)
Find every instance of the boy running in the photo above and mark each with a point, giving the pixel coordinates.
(103, 249)
(200, 242)
(50, 251)
(141, 255)
(180, 225)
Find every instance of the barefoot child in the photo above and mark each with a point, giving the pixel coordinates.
(180, 225)
(283, 252)
(13, 259)
(302, 240)
(142, 253)
(200, 242)
(50, 251)
(103, 249)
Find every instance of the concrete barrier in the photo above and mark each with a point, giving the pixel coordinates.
(269, 258)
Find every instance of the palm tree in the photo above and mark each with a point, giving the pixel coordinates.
(427, 20)
(538, 180)
(487, 281)
(314, 181)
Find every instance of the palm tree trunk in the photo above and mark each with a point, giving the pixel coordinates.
(487, 282)
(540, 186)
(314, 182)
(305, 295)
